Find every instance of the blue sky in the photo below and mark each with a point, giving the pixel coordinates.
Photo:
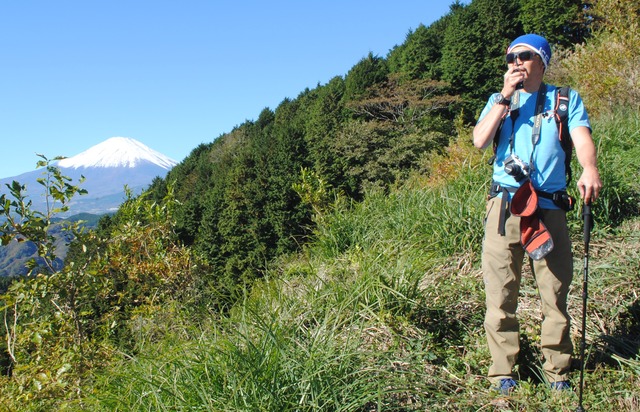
(173, 74)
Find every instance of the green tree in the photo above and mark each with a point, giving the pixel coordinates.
(22, 223)
(290, 218)
(236, 225)
(563, 22)
(419, 57)
(214, 172)
(405, 102)
(326, 113)
(367, 72)
(475, 40)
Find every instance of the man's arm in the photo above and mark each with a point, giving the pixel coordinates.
(485, 129)
(589, 183)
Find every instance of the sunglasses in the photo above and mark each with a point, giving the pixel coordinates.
(524, 56)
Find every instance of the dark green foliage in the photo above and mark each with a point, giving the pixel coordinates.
(421, 53)
(562, 22)
(369, 71)
(290, 219)
(5, 282)
(325, 115)
(474, 44)
(420, 56)
(157, 189)
(374, 155)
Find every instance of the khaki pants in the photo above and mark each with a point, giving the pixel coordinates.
(502, 260)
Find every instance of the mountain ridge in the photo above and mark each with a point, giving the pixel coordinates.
(107, 168)
(117, 152)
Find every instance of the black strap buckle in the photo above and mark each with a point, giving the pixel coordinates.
(564, 201)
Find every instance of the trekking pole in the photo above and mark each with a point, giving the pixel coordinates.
(588, 222)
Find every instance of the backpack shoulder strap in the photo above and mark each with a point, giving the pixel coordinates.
(562, 121)
(513, 112)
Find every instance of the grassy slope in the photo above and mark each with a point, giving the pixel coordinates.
(384, 312)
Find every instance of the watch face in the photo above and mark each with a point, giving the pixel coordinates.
(498, 99)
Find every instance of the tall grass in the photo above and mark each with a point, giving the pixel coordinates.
(330, 350)
(617, 136)
(440, 220)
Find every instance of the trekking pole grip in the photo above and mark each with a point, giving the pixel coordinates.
(588, 222)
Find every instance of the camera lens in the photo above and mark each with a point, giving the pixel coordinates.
(515, 171)
(513, 166)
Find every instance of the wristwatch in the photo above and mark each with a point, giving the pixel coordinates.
(500, 99)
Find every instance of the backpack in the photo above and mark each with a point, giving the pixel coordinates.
(562, 121)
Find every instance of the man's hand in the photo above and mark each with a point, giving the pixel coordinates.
(514, 76)
(589, 185)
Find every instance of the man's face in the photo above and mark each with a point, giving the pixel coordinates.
(526, 60)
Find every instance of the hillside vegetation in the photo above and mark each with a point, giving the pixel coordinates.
(325, 257)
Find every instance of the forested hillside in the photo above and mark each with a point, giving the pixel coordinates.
(366, 130)
(324, 256)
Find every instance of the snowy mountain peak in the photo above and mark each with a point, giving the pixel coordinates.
(117, 152)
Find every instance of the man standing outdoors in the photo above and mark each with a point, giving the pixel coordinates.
(526, 210)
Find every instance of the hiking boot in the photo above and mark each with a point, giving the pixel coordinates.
(506, 386)
(560, 386)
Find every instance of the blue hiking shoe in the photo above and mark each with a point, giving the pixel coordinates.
(560, 386)
(506, 386)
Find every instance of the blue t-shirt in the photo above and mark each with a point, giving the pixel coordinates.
(548, 171)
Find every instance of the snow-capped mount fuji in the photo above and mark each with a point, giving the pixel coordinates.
(107, 168)
(117, 152)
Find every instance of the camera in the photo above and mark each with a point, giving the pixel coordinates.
(514, 166)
